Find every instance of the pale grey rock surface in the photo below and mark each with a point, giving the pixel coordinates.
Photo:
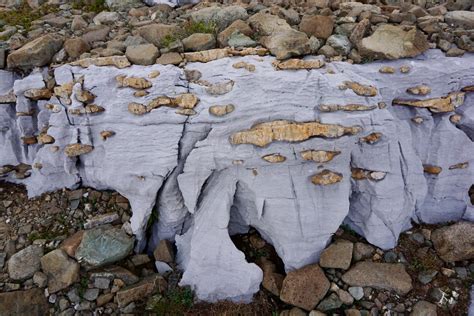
(204, 188)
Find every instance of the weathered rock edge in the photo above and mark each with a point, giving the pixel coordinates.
(205, 175)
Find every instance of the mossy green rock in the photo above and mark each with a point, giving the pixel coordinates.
(104, 245)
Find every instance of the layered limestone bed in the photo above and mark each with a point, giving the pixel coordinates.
(293, 149)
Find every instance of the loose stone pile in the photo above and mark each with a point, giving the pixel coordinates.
(339, 30)
(206, 143)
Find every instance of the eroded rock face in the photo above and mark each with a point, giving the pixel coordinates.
(204, 173)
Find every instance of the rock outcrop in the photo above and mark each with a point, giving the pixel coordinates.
(203, 171)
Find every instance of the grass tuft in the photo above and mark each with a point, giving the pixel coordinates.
(175, 302)
(24, 15)
(90, 5)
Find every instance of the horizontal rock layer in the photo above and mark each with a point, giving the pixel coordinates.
(293, 153)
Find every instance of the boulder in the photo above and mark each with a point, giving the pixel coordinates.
(392, 42)
(61, 270)
(237, 25)
(239, 40)
(384, 276)
(338, 255)
(122, 5)
(455, 242)
(75, 47)
(36, 53)
(320, 26)
(464, 19)
(287, 43)
(11, 3)
(164, 251)
(144, 54)
(106, 17)
(304, 287)
(70, 244)
(267, 24)
(156, 33)
(170, 59)
(78, 23)
(103, 245)
(340, 43)
(29, 302)
(362, 251)
(98, 33)
(222, 17)
(199, 41)
(424, 308)
(139, 291)
(23, 264)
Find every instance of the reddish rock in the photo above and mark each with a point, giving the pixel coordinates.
(141, 290)
(305, 287)
(320, 26)
(338, 255)
(70, 244)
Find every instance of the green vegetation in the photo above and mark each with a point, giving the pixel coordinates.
(24, 15)
(46, 235)
(255, 254)
(188, 29)
(82, 286)
(175, 302)
(192, 27)
(428, 261)
(367, 59)
(90, 5)
(349, 230)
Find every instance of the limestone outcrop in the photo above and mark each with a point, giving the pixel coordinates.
(291, 149)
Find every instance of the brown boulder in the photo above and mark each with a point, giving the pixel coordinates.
(61, 270)
(170, 59)
(455, 242)
(286, 44)
(164, 251)
(36, 53)
(305, 287)
(70, 244)
(74, 47)
(386, 276)
(156, 33)
(424, 308)
(338, 255)
(141, 290)
(199, 41)
(320, 26)
(30, 302)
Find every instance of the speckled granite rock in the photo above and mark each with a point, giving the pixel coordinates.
(336, 150)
